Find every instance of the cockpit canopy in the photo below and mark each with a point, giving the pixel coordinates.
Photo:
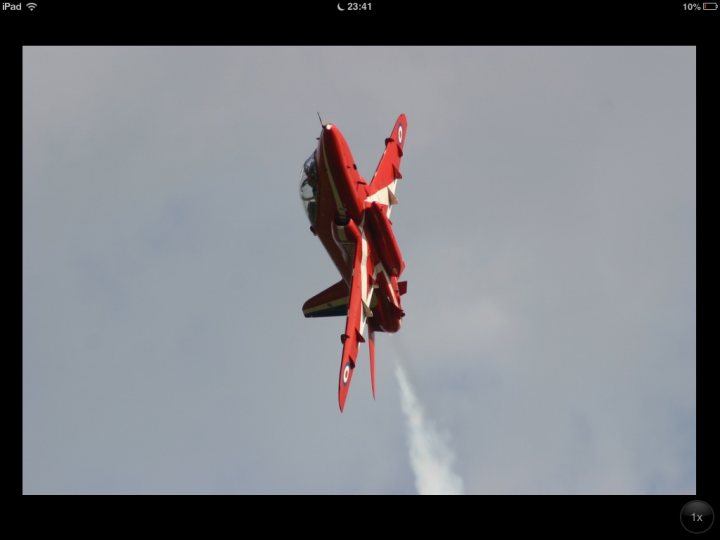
(309, 187)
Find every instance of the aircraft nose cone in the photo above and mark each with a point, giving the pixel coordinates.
(335, 145)
(332, 138)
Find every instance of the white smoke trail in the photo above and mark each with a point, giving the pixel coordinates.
(430, 457)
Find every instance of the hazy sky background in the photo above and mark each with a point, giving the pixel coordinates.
(547, 218)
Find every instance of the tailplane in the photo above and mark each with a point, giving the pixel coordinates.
(332, 302)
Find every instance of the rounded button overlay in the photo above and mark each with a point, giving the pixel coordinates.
(697, 516)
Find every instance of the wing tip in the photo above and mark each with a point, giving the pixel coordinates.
(342, 396)
(346, 369)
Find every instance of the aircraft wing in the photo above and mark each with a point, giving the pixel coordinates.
(384, 182)
(358, 310)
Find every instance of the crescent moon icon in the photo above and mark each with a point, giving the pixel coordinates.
(339, 8)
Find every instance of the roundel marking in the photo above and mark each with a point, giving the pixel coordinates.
(400, 134)
(346, 373)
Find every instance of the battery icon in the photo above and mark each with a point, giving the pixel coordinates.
(709, 6)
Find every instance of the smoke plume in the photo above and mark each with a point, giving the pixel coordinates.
(430, 457)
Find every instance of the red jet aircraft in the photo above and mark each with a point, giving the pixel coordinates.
(352, 219)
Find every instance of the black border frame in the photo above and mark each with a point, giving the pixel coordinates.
(55, 22)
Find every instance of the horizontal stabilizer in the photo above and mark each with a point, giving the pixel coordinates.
(332, 302)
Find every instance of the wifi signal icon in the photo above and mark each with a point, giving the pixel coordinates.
(31, 5)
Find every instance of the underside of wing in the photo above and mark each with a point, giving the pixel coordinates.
(383, 184)
(358, 310)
